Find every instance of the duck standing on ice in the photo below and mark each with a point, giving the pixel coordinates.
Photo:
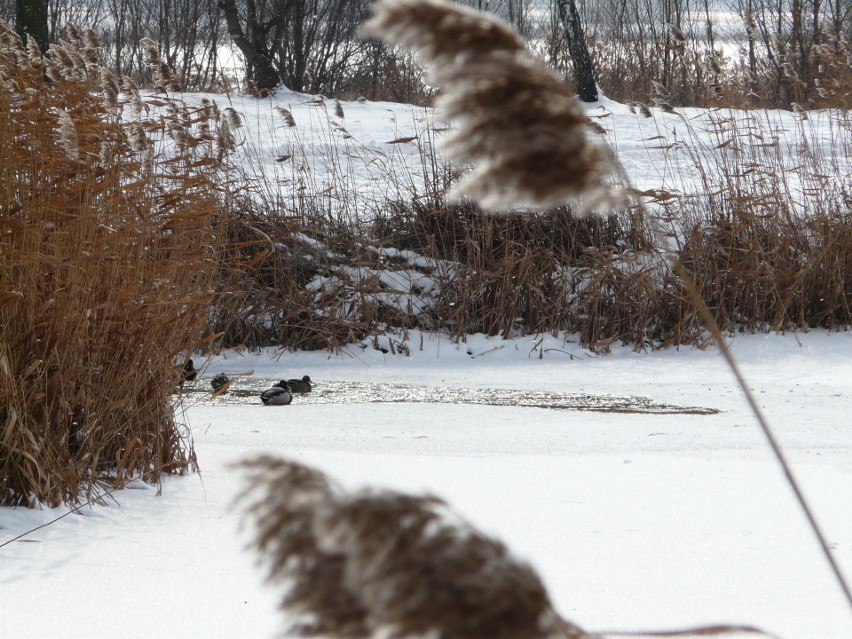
(278, 395)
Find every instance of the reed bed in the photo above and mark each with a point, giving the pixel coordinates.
(111, 230)
(757, 212)
(763, 230)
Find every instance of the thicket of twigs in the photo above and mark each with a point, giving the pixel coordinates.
(110, 236)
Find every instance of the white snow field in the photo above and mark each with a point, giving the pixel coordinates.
(634, 520)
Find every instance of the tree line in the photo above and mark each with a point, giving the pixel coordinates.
(667, 53)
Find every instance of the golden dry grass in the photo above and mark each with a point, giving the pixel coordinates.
(109, 248)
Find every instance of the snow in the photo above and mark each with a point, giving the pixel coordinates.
(382, 151)
(634, 521)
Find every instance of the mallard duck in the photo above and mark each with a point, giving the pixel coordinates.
(278, 395)
(219, 380)
(300, 385)
(189, 372)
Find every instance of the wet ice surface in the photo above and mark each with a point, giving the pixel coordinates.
(247, 391)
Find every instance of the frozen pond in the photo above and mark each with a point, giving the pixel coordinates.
(246, 390)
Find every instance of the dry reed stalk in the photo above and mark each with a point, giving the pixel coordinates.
(519, 125)
(385, 564)
(106, 275)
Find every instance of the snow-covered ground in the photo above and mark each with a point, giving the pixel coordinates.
(380, 151)
(634, 521)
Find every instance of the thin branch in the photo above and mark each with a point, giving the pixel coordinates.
(73, 510)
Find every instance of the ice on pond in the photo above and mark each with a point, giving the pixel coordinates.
(247, 391)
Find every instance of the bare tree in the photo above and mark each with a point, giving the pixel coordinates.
(251, 34)
(575, 38)
(31, 20)
(307, 44)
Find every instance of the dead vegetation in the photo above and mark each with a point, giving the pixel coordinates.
(760, 221)
(110, 236)
(379, 563)
(526, 140)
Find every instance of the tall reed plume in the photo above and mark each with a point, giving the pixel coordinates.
(518, 123)
(386, 564)
(381, 564)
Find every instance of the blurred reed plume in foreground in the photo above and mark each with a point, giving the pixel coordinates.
(519, 125)
(381, 564)
(386, 564)
(110, 240)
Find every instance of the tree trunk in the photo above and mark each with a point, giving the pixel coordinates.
(31, 19)
(584, 72)
(264, 75)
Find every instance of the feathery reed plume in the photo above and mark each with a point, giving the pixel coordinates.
(676, 32)
(8, 38)
(163, 76)
(67, 133)
(223, 139)
(286, 116)
(338, 110)
(34, 53)
(90, 39)
(109, 87)
(379, 563)
(209, 113)
(129, 88)
(61, 62)
(233, 118)
(662, 97)
(519, 124)
(178, 133)
(91, 46)
(74, 36)
(80, 70)
(210, 109)
(151, 51)
(385, 564)
(23, 59)
(136, 136)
